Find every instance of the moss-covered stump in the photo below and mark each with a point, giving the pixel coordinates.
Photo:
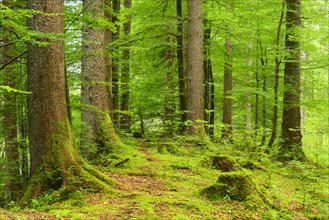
(224, 163)
(236, 185)
(167, 147)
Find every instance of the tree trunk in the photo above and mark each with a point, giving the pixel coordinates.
(54, 159)
(108, 54)
(208, 79)
(291, 145)
(264, 89)
(248, 97)
(277, 62)
(98, 128)
(227, 100)
(180, 67)
(125, 118)
(14, 183)
(169, 91)
(115, 63)
(194, 78)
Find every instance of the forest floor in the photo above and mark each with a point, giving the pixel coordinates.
(163, 180)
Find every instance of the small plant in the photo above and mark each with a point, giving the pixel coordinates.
(45, 199)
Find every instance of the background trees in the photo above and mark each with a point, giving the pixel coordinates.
(142, 55)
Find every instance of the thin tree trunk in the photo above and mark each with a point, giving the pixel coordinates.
(169, 102)
(180, 67)
(14, 183)
(108, 54)
(248, 97)
(291, 145)
(194, 57)
(115, 63)
(264, 89)
(209, 105)
(125, 118)
(228, 85)
(257, 92)
(277, 62)
(227, 131)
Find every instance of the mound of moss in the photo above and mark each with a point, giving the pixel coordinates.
(235, 185)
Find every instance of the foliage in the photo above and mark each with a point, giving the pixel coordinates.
(185, 164)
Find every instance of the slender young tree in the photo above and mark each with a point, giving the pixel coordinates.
(54, 158)
(115, 64)
(124, 117)
(98, 129)
(181, 67)
(291, 145)
(194, 58)
(208, 80)
(14, 184)
(108, 54)
(228, 85)
(169, 91)
(277, 62)
(247, 115)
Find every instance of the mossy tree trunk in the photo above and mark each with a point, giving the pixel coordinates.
(98, 136)
(54, 158)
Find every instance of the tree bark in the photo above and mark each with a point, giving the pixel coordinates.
(169, 91)
(115, 64)
(277, 62)
(194, 78)
(108, 53)
(208, 80)
(124, 117)
(54, 158)
(291, 145)
(180, 67)
(227, 100)
(97, 129)
(248, 94)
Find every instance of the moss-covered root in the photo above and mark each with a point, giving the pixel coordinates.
(75, 177)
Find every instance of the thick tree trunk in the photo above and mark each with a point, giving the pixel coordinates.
(98, 128)
(180, 67)
(14, 183)
(194, 78)
(208, 80)
(54, 159)
(124, 117)
(291, 145)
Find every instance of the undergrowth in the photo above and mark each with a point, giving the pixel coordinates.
(165, 180)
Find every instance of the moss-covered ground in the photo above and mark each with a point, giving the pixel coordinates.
(165, 180)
